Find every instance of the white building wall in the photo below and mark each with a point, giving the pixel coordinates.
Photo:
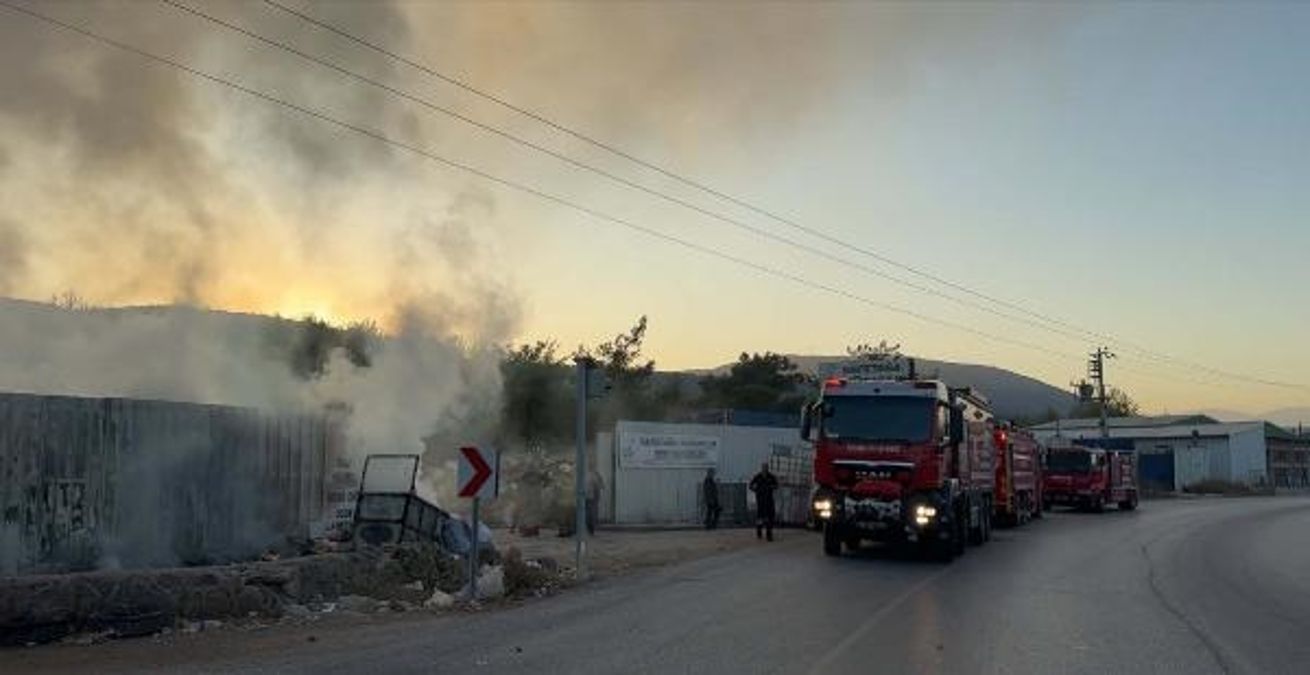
(671, 495)
(1198, 459)
(1249, 456)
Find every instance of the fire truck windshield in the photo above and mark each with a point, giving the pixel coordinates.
(1069, 462)
(878, 418)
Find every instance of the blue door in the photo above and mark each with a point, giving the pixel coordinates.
(1157, 471)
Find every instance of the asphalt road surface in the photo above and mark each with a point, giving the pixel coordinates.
(1188, 586)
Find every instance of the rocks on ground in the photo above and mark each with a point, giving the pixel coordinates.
(97, 606)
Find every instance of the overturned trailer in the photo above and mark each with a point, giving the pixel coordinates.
(390, 511)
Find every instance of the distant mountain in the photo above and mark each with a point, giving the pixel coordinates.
(1288, 417)
(1012, 395)
(1225, 415)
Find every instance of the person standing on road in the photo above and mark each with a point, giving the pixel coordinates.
(710, 494)
(764, 484)
(595, 485)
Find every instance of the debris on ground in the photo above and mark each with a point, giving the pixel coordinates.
(440, 600)
(357, 603)
(88, 608)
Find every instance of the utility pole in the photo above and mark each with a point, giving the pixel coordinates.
(1096, 371)
(584, 366)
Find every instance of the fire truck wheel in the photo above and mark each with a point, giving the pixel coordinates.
(831, 540)
(1098, 504)
(987, 523)
(1129, 504)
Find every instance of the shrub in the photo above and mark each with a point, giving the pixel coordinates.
(525, 578)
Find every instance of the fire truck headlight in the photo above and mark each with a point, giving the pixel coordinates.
(924, 514)
(823, 505)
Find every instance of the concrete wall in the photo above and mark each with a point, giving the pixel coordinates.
(672, 495)
(88, 483)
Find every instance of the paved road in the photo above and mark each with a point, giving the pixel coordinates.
(1197, 586)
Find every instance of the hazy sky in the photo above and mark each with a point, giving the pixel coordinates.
(1137, 170)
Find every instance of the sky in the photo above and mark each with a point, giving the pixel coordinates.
(1131, 170)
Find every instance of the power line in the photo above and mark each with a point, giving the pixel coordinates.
(428, 104)
(599, 215)
(790, 222)
(606, 174)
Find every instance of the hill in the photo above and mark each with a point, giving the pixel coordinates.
(1012, 395)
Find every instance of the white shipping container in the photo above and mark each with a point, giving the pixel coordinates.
(646, 492)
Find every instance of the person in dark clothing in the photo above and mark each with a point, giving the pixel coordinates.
(710, 495)
(764, 484)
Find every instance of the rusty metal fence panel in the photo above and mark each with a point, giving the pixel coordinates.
(88, 482)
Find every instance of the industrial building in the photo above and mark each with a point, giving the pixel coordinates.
(1176, 451)
(1289, 457)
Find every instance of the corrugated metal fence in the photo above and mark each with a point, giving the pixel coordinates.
(93, 482)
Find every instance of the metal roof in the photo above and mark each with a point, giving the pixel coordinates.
(1136, 422)
(1157, 431)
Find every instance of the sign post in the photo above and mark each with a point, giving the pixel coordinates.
(580, 469)
(476, 478)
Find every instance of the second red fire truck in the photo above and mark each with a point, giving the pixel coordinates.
(1018, 476)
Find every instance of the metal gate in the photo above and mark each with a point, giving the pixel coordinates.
(1157, 471)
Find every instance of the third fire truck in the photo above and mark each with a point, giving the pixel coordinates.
(1090, 478)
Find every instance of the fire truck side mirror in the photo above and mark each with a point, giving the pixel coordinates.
(806, 423)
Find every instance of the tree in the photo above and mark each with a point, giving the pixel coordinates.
(879, 352)
(539, 389)
(537, 400)
(765, 381)
(630, 381)
(1118, 404)
(309, 349)
(620, 358)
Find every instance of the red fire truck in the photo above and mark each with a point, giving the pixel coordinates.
(1018, 476)
(900, 459)
(1089, 478)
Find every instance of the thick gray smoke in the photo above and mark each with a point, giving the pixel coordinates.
(133, 184)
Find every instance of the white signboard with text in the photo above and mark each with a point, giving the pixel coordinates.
(667, 451)
(879, 369)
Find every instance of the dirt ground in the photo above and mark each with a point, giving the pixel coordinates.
(614, 551)
(610, 553)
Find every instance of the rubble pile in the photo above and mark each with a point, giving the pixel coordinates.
(94, 606)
